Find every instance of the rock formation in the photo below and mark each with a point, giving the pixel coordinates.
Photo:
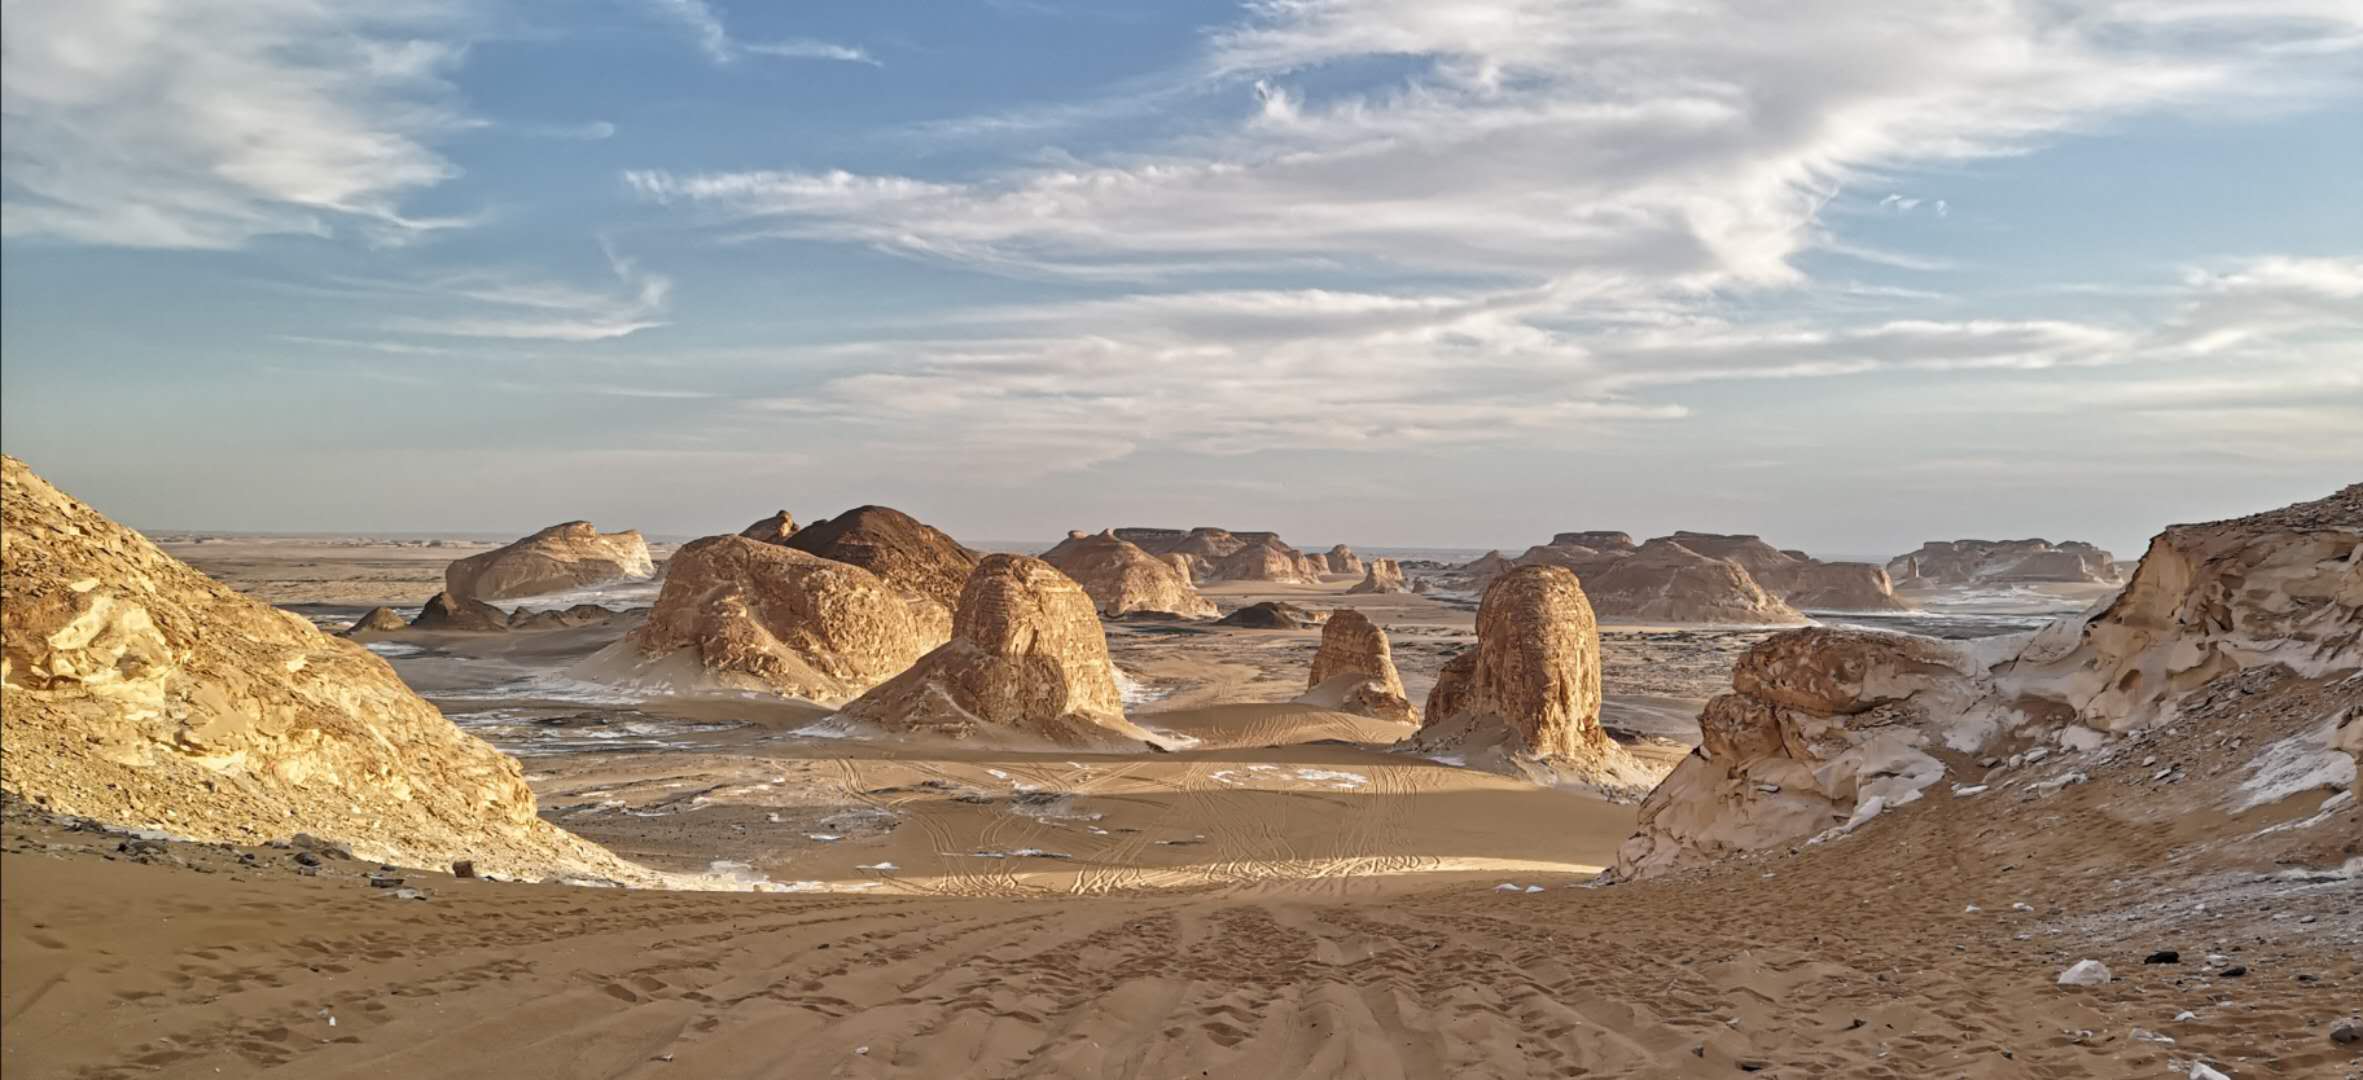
(1220, 555)
(373, 624)
(1340, 559)
(1827, 728)
(1958, 563)
(568, 556)
(1380, 576)
(895, 546)
(771, 530)
(141, 693)
(755, 616)
(1355, 670)
(1662, 579)
(564, 619)
(1182, 567)
(1800, 580)
(1026, 658)
(1265, 561)
(1272, 615)
(1528, 696)
(1596, 539)
(1123, 579)
(461, 615)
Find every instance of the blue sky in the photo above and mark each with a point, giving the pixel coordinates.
(1389, 272)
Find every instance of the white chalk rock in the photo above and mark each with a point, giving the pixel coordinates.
(2085, 973)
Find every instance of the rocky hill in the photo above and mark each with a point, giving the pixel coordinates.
(563, 557)
(907, 553)
(1122, 579)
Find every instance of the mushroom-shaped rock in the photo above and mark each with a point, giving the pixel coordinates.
(772, 530)
(375, 623)
(1528, 696)
(1122, 579)
(1027, 659)
(1354, 669)
(1379, 576)
(136, 691)
(572, 555)
(755, 616)
(445, 612)
(910, 555)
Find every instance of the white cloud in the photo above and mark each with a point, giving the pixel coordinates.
(807, 49)
(591, 131)
(207, 123)
(715, 40)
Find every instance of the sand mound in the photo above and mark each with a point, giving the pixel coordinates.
(895, 546)
(757, 616)
(142, 693)
(1528, 696)
(1272, 615)
(573, 555)
(1027, 658)
(1355, 669)
(1955, 563)
(1380, 576)
(775, 529)
(463, 615)
(1123, 579)
(1665, 580)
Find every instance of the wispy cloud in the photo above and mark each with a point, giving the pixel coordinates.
(591, 131)
(715, 40)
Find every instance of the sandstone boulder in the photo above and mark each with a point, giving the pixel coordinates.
(1122, 579)
(375, 623)
(563, 557)
(141, 693)
(775, 529)
(1527, 698)
(909, 555)
(1027, 660)
(1355, 669)
(1380, 576)
(745, 615)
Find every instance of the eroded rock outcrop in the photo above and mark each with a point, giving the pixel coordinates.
(1339, 559)
(907, 553)
(1027, 659)
(1122, 579)
(1380, 576)
(775, 529)
(1264, 561)
(1798, 579)
(1958, 563)
(1354, 670)
(1663, 579)
(445, 612)
(563, 557)
(373, 624)
(741, 614)
(1527, 698)
(1595, 539)
(1272, 615)
(141, 693)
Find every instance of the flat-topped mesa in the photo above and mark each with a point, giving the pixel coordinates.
(1800, 580)
(1527, 698)
(1122, 579)
(1381, 575)
(563, 557)
(1666, 580)
(1339, 559)
(1354, 671)
(1962, 563)
(775, 529)
(1026, 660)
(1595, 539)
(746, 615)
(138, 692)
(895, 546)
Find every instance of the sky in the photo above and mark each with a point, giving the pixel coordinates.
(1850, 274)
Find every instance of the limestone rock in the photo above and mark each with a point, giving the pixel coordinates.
(1264, 560)
(1798, 579)
(1027, 658)
(561, 619)
(755, 616)
(895, 546)
(1958, 563)
(1123, 579)
(1355, 667)
(1271, 615)
(141, 693)
(1528, 696)
(775, 529)
(1380, 576)
(464, 615)
(572, 555)
(1664, 579)
(1597, 540)
(1340, 559)
(375, 623)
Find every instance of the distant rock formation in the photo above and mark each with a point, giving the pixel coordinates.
(140, 693)
(1123, 579)
(1663, 579)
(775, 529)
(1339, 559)
(1382, 575)
(1960, 563)
(1272, 615)
(1355, 670)
(444, 612)
(1527, 698)
(1799, 579)
(565, 619)
(563, 557)
(1220, 555)
(373, 624)
(1484, 568)
(1026, 658)
(1827, 728)
(1181, 566)
(747, 615)
(1596, 539)
(895, 546)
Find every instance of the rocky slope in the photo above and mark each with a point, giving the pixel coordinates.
(1027, 660)
(1663, 579)
(571, 555)
(1122, 579)
(144, 694)
(1354, 670)
(1957, 563)
(740, 614)
(895, 546)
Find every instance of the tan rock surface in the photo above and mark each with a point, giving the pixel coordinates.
(1957, 563)
(1665, 580)
(895, 546)
(144, 694)
(1380, 576)
(468, 616)
(757, 616)
(1123, 579)
(375, 623)
(572, 555)
(775, 529)
(1799, 580)
(1027, 658)
(1264, 561)
(1356, 666)
(1340, 559)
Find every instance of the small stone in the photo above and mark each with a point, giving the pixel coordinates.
(2085, 973)
(2235, 971)
(465, 868)
(385, 883)
(2201, 1071)
(2186, 1014)
(2347, 1032)
(2163, 956)
(306, 858)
